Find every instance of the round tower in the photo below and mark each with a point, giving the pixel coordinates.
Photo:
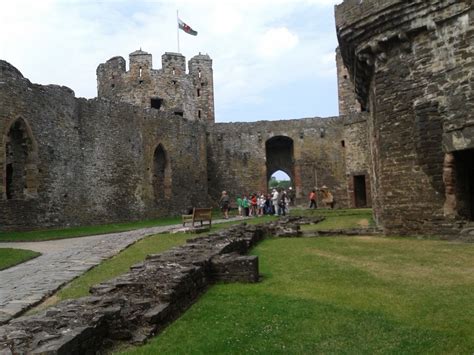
(200, 70)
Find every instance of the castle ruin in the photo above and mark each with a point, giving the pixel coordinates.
(148, 146)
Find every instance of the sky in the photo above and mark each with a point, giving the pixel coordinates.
(272, 59)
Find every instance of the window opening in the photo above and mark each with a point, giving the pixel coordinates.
(198, 92)
(156, 102)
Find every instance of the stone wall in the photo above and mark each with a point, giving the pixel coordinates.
(237, 157)
(357, 159)
(348, 103)
(167, 89)
(413, 67)
(91, 161)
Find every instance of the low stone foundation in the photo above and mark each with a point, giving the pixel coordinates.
(136, 305)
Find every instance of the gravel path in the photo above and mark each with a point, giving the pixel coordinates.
(27, 284)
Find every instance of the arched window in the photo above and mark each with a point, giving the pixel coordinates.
(161, 178)
(20, 173)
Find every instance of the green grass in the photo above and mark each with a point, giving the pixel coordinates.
(10, 257)
(74, 232)
(337, 295)
(338, 218)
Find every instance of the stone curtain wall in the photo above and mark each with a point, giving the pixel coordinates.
(94, 158)
(357, 155)
(237, 156)
(413, 64)
(177, 90)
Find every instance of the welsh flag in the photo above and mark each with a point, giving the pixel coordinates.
(186, 28)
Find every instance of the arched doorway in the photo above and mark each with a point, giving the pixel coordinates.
(280, 179)
(161, 178)
(20, 169)
(279, 156)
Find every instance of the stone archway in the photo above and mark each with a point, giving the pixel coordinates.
(20, 171)
(161, 174)
(279, 156)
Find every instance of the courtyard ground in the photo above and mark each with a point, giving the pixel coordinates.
(328, 294)
(337, 295)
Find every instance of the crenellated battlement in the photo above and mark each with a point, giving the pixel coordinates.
(169, 88)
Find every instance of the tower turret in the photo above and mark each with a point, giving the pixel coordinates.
(200, 70)
(141, 64)
(173, 63)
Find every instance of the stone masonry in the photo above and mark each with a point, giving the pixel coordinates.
(412, 63)
(167, 89)
(126, 155)
(92, 161)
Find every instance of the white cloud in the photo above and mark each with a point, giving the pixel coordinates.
(276, 41)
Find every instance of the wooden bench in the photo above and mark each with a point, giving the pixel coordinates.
(199, 215)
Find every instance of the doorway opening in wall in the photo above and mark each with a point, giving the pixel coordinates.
(464, 161)
(156, 102)
(279, 179)
(360, 193)
(279, 157)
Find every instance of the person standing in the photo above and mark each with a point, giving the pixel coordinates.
(291, 196)
(282, 204)
(246, 205)
(328, 198)
(239, 206)
(253, 205)
(275, 198)
(224, 203)
(312, 199)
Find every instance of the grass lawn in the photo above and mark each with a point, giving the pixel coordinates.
(337, 295)
(74, 232)
(338, 219)
(10, 257)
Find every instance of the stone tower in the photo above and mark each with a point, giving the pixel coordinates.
(200, 70)
(167, 89)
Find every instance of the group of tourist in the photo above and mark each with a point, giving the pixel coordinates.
(276, 203)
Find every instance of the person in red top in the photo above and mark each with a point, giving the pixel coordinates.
(312, 199)
(253, 205)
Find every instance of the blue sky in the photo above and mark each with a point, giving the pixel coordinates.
(272, 59)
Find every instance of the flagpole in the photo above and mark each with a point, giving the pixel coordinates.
(177, 28)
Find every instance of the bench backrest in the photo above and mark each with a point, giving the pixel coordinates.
(202, 213)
